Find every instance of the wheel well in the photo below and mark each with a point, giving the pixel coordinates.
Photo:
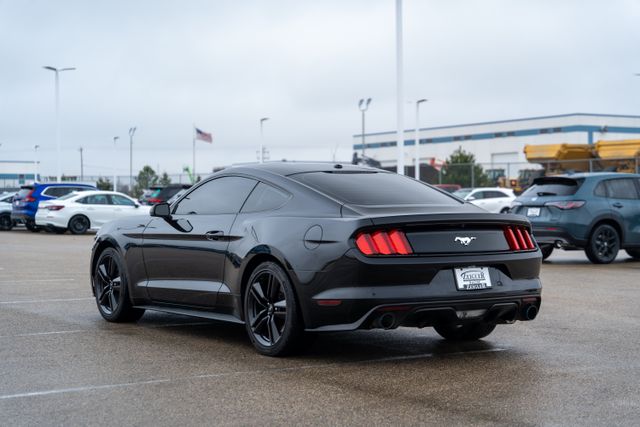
(255, 261)
(101, 247)
(76, 216)
(610, 222)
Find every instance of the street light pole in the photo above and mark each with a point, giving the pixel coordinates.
(417, 138)
(115, 138)
(399, 89)
(262, 120)
(35, 175)
(58, 131)
(81, 165)
(363, 106)
(132, 132)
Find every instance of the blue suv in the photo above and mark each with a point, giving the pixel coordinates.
(25, 203)
(597, 212)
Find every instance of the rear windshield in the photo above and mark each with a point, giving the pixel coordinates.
(24, 191)
(374, 188)
(553, 187)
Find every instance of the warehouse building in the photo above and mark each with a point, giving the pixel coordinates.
(14, 173)
(497, 145)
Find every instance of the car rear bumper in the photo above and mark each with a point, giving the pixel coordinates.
(557, 236)
(45, 218)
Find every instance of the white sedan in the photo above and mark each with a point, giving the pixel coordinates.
(87, 210)
(492, 199)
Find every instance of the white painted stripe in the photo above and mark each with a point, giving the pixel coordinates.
(237, 373)
(35, 301)
(65, 279)
(37, 334)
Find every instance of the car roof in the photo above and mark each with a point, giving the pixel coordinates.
(63, 184)
(97, 192)
(581, 175)
(291, 168)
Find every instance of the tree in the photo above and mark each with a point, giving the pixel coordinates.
(458, 169)
(147, 177)
(104, 184)
(165, 179)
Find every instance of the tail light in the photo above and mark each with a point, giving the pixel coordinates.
(518, 238)
(54, 207)
(29, 198)
(154, 201)
(383, 242)
(567, 204)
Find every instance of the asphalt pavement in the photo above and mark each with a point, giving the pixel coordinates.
(578, 363)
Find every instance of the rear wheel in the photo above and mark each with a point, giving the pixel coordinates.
(546, 250)
(634, 253)
(111, 290)
(466, 332)
(603, 245)
(31, 226)
(6, 223)
(272, 315)
(504, 210)
(79, 224)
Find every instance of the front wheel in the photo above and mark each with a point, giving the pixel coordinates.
(603, 245)
(111, 290)
(467, 332)
(6, 224)
(272, 315)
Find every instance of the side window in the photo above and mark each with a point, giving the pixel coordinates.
(623, 188)
(121, 200)
(219, 196)
(264, 198)
(494, 194)
(96, 199)
(478, 195)
(601, 189)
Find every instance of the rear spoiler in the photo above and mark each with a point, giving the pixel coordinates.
(451, 218)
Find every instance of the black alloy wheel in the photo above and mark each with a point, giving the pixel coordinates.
(79, 224)
(603, 245)
(546, 250)
(271, 313)
(467, 332)
(110, 288)
(6, 223)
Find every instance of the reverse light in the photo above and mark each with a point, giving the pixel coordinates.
(567, 204)
(383, 242)
(518, 238)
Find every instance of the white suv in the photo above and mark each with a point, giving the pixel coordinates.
(492, 199)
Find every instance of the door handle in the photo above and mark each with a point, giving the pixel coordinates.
(618, 205)
(214, 235)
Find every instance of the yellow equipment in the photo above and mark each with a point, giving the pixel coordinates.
(557, 158)
(618, 155)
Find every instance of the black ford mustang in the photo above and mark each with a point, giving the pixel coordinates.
(289, 248)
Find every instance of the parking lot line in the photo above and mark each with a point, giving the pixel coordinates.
(37, 280)
(238, 373)
(35, 301)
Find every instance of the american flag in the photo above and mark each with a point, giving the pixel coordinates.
(203, 136)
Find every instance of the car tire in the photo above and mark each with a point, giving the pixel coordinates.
(111, 290)
(31, 226)
(272, 316)
(504, 210)
(603, 245)
(546, 250)
(79, 224)
(466, 332)
(6, 224)
(634, 253)
(59, 230)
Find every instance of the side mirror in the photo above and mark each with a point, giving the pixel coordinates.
(470, 199)
(136, 205)
(161, 210)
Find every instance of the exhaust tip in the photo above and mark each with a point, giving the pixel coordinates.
(387, 320)
(530, 312)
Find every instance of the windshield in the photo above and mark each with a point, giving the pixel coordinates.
(553, 187)
(374, 188)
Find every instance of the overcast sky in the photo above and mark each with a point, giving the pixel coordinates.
(164, 65)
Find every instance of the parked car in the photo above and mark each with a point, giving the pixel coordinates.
(285, 248)
(165, 193)
(148, 193)
(6, 223)
(597, 212)
(492, 199)
(26, 202)
(87, 210)
(449, 188)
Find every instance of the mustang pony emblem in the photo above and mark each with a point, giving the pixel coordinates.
(464, 241)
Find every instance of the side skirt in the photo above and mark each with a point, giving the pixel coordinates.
(194, 313)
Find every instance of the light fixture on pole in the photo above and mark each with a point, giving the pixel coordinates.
(417, 138)
(399, 90)
(132, 132)
(58, 131)
(363, 106)
(261, 156)
(115, 138)
(35, 175)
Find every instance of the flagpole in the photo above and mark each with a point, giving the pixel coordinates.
(194, 154)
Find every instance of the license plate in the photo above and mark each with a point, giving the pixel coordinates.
(533, 212)
(472, 278)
